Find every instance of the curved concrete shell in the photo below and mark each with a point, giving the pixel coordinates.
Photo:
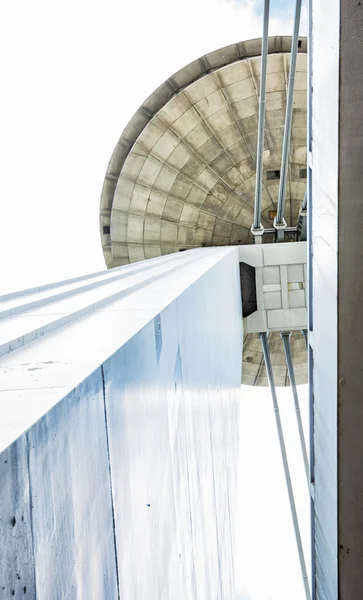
(183, 172)
(254, 370)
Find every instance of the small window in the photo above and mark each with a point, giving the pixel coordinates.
(272, 214)
(273, 175)
(303, 173)
(106, 229)
(299, 44)
(182, 249)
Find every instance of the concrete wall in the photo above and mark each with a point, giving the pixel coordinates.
(350, 302)
(121, 483)
(338, 296)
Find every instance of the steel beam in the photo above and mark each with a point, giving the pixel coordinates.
(266, 354)
(287, 230)
(261, 120)
(279, 220)
(285, 336)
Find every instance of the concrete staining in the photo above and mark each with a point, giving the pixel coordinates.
(350, 296)
(183, 172)
(119, 432)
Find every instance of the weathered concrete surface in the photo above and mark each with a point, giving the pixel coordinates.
(350, 303)
(121, 484)
(183, 173)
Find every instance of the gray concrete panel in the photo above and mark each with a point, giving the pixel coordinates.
(17, 564)
(350, 298)
(55, 504)
(74, 549)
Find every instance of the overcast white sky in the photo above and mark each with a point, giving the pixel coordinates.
(267, 566)
(72, 75)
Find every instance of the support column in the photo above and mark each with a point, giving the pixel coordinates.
(114, 390)
(350, 303)
(337, 184)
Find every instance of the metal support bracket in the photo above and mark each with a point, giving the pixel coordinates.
(257, 233)
(280, 229)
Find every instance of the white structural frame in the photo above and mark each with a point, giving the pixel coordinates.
(281, 289)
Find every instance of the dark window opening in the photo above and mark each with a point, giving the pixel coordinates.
(106, 229)
(303, 173)
(182, 249)
(299, 44)
(248, 289)
(271, 175)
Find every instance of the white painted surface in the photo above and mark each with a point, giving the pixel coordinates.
(280, 286)
(54, 365)
(120, 447)
(325, 145)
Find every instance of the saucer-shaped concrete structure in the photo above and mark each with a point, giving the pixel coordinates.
(183, 172)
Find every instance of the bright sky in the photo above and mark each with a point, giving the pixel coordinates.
(266, 556)
(72, 75)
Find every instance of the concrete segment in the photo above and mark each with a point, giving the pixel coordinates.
(337, 297)
(119, 436)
